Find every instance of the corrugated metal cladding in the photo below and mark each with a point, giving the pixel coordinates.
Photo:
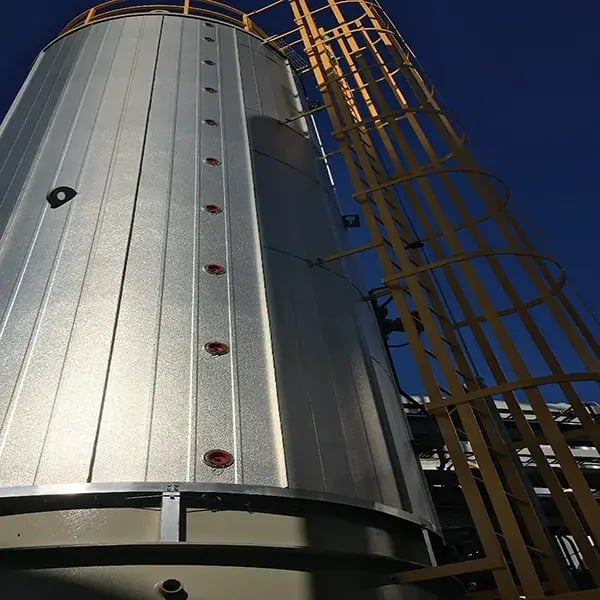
(104, 303)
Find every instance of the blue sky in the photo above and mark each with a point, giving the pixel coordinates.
(521, 76)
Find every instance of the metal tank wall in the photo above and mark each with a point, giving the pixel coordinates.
(105, 305)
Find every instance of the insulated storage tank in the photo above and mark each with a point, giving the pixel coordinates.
(190, 405)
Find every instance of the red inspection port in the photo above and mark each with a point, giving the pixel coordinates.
(211, 90)
(218, 459)
(216, 348)
(213, 209)
(211, 122)
(215, 269)
(213, 162)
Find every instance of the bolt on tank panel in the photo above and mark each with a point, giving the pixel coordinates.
(168, 312)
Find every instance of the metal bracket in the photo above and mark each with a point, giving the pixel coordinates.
(170, 514)
(307, 113)
(345, 253)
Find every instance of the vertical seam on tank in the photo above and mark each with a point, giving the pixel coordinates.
(113, 158)
(390, 441)
(235, 387)
(192, 441)
(365, 428)
(268, 296)
(282, 470)
(335, 396)
(367, 357)
(254, 77)
(307, 393)
(65, 228)
(127, 250)
(194, 333)
(238, 467)
(347, 436)
(84, 166)
(11, 406)
(165, 247)
(344, 271)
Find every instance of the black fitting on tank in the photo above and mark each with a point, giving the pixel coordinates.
(60, 195)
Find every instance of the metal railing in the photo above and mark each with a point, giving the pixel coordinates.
(211, 9)
(196, 8)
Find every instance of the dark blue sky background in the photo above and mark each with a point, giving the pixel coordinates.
(521, 75)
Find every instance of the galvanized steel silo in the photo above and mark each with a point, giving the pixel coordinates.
(169, 324)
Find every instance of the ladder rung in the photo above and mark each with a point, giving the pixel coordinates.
(515, 498)
(439, 315)
(381, 177)
(530, 548)
(399, 223)
(405, 290)
(444, 391)
(430, 353)
(477, 410)
(401, 226)
(374, 166)
(373, 160)
(361, 49)
(391, 204)
(464, 376)
(501, 453)
(392, 217)
(371, 156)
(538, 551)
